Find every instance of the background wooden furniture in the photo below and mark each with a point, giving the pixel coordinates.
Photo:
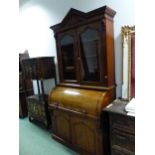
(85, 50)
(39, 69)
(25, 87)
(121, 129)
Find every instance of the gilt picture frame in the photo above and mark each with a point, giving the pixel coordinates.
(128, 62)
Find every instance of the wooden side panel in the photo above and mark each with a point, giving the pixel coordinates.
(22, 104)
(25, 87)
(110, 52)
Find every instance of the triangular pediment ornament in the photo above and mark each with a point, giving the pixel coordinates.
(73, 17)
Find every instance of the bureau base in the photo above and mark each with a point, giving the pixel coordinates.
(80, 134)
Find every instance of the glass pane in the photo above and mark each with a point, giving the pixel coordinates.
(89, 55)
(67, 50)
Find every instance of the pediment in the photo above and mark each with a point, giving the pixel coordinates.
(73, 17)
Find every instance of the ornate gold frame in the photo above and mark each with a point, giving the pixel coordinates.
(126, 61)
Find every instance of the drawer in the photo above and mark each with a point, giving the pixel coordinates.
(124, 140)
(124, 123)
(120, 151)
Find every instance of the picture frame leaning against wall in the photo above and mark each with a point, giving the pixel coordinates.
(128, 62)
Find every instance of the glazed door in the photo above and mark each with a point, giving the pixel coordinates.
(67, 56)
(90, 54)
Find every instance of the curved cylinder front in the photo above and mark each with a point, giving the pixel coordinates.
(80, 101)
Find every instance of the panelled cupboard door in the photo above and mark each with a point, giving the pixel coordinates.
(83, 135)
(86, 136)
(91, 53)
(67, 53)
(61, 125)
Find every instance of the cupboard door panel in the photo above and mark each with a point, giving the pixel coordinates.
(86, 135)
(83, 135)
(61, 125)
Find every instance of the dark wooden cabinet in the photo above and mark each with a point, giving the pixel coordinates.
(85, 48)
(39, 69)
(25, 87)
(121, 129)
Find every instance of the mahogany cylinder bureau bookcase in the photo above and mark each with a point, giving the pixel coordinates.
(39, 69)
(85, 50)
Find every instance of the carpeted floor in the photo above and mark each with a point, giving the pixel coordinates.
(34, 140)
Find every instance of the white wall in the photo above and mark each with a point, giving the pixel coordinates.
(36, 16)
